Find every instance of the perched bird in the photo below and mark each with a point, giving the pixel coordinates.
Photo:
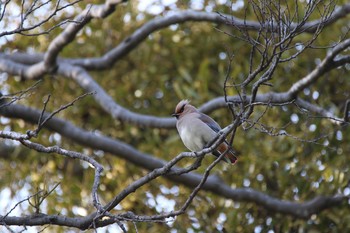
(197, 129)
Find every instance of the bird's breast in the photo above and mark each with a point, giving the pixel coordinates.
(191, 140)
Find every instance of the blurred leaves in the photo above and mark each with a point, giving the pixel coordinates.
(188, 62)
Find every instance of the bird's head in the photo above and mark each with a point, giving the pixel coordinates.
(182, 108)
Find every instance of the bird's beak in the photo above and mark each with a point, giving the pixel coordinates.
(175, 115)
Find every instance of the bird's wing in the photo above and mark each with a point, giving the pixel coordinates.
(210, 122)
(230, 156)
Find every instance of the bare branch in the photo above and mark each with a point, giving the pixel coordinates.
(107, 60)
(49, 64)
(42, 122)
(3, 9)
(321, 69)
(116, 111)
(17, 204)
(274, 32)
(144, 31)
(17, 96)
(30, 11)
(119, 112)
(24, 139)
(129, 216)
(213, 183)
(340, 12)
(320, 111)
(347, 111)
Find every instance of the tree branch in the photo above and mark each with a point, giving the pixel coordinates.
(81, 77)
(321, 69)
(49, 64)
(24, 139)
(213, 183)
(76, 69)
(21, 29)
(128, 44)
(118, 112)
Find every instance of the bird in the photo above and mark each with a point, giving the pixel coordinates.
(197, 129)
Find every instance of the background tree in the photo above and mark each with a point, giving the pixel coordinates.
(87, 90)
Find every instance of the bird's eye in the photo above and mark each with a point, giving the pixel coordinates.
(182, 108)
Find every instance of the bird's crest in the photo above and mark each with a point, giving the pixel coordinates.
(181, 106)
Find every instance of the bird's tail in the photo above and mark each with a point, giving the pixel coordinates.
(230, 156)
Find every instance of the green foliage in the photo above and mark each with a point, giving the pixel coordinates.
(188, 61)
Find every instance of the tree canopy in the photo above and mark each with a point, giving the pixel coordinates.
(87, 137)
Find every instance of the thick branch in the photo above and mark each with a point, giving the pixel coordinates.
(49, 62)
(67, 36)
(107, 60)
(44, 219)
(321, 69)
(128, 44)
(148, 28)
(153, 25)
(119, 112)
(213, 184)
(80, 76)
(303, 210)
(339, 13)
(83, 78)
